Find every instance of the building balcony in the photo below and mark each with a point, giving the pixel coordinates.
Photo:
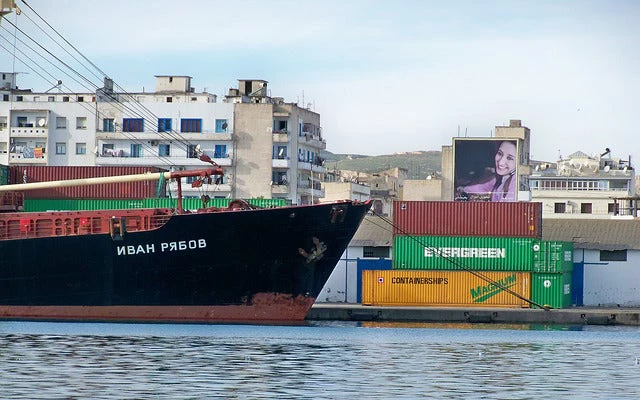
(279, 189)
(210, 189)
(147, 135)
(280, 163)
(308, 166)
(313, 140)
(19, 158)
(123, 158)
(309, 191)
(42, 132)
(280, 137)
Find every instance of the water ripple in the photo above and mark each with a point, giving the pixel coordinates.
(320, 361)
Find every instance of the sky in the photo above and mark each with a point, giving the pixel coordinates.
(385, 77)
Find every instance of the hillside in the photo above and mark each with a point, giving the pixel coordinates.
(419, 164)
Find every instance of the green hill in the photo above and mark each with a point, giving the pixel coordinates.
(419, 164)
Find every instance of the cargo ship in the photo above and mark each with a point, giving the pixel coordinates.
(238, 264)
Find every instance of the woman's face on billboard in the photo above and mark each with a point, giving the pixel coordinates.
(506, 158)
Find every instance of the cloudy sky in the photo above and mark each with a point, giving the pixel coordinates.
(385, 76)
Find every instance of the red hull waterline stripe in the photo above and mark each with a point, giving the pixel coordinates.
(278, 308)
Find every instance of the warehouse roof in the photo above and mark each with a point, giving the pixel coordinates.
(598, 234)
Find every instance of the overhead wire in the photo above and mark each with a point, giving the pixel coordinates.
(133, 108)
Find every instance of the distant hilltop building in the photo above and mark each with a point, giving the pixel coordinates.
(267, 147)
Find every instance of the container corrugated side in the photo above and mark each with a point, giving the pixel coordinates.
(456, 218)
(4, 175)
(39, 205)
(126, 190)
(463, 252)
(552, 290)
(444, 288)
(552, 256)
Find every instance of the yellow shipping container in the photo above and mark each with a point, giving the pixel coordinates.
(444, 288)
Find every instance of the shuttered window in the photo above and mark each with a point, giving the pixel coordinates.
(133, 125)
(191, 125)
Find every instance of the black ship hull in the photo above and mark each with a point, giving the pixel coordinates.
(264, 265)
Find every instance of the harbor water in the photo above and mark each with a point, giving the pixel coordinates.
(319, 360)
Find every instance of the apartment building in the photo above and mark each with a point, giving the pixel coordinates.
(266, 147)
(585, 186)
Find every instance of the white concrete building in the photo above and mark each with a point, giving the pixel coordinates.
(267, 148)
(583, 186)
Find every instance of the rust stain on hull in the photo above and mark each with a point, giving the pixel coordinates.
(264, 308)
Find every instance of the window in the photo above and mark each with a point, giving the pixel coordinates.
(136, 150)
(80, 99)
(19, 98)
(220, 151)
(5, 97)
(36, 98)
(107, 149)
(280, 126)
(61, 122)
(191, 151)
(279, 178)
(81, 123)
(164, 150)
(280, 152)
(65, 99)
(51, 99)
(81, 148)
(133, 125)
(22, 122)
(169, 99)
(3, 122)
(107, 125)
(613, 255)
(559, 208)
(191, 125)
(612, 208)
(3, 147)
(378, 252)
(61, 148)
(164, 124)
(585, 208)
(221, 125)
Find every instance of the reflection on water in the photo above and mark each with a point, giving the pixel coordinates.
(319, 360)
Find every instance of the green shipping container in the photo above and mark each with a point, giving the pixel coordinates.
(463, 252)
(40, 205)
(4, 175)
(551, 256)
(553, 290)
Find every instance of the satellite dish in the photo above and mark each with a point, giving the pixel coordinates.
(197, 148)
(41, 122)
(537, 167)
(607, 168)
(224, 125)
(281, 152)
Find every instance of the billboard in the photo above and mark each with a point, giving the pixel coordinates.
(485, 169)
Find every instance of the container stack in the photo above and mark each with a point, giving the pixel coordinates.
(470, 254)
(125, 190)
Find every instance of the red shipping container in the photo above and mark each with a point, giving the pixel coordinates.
(457, 218)
(126, 190)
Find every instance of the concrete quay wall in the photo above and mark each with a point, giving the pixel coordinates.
(567, 316)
